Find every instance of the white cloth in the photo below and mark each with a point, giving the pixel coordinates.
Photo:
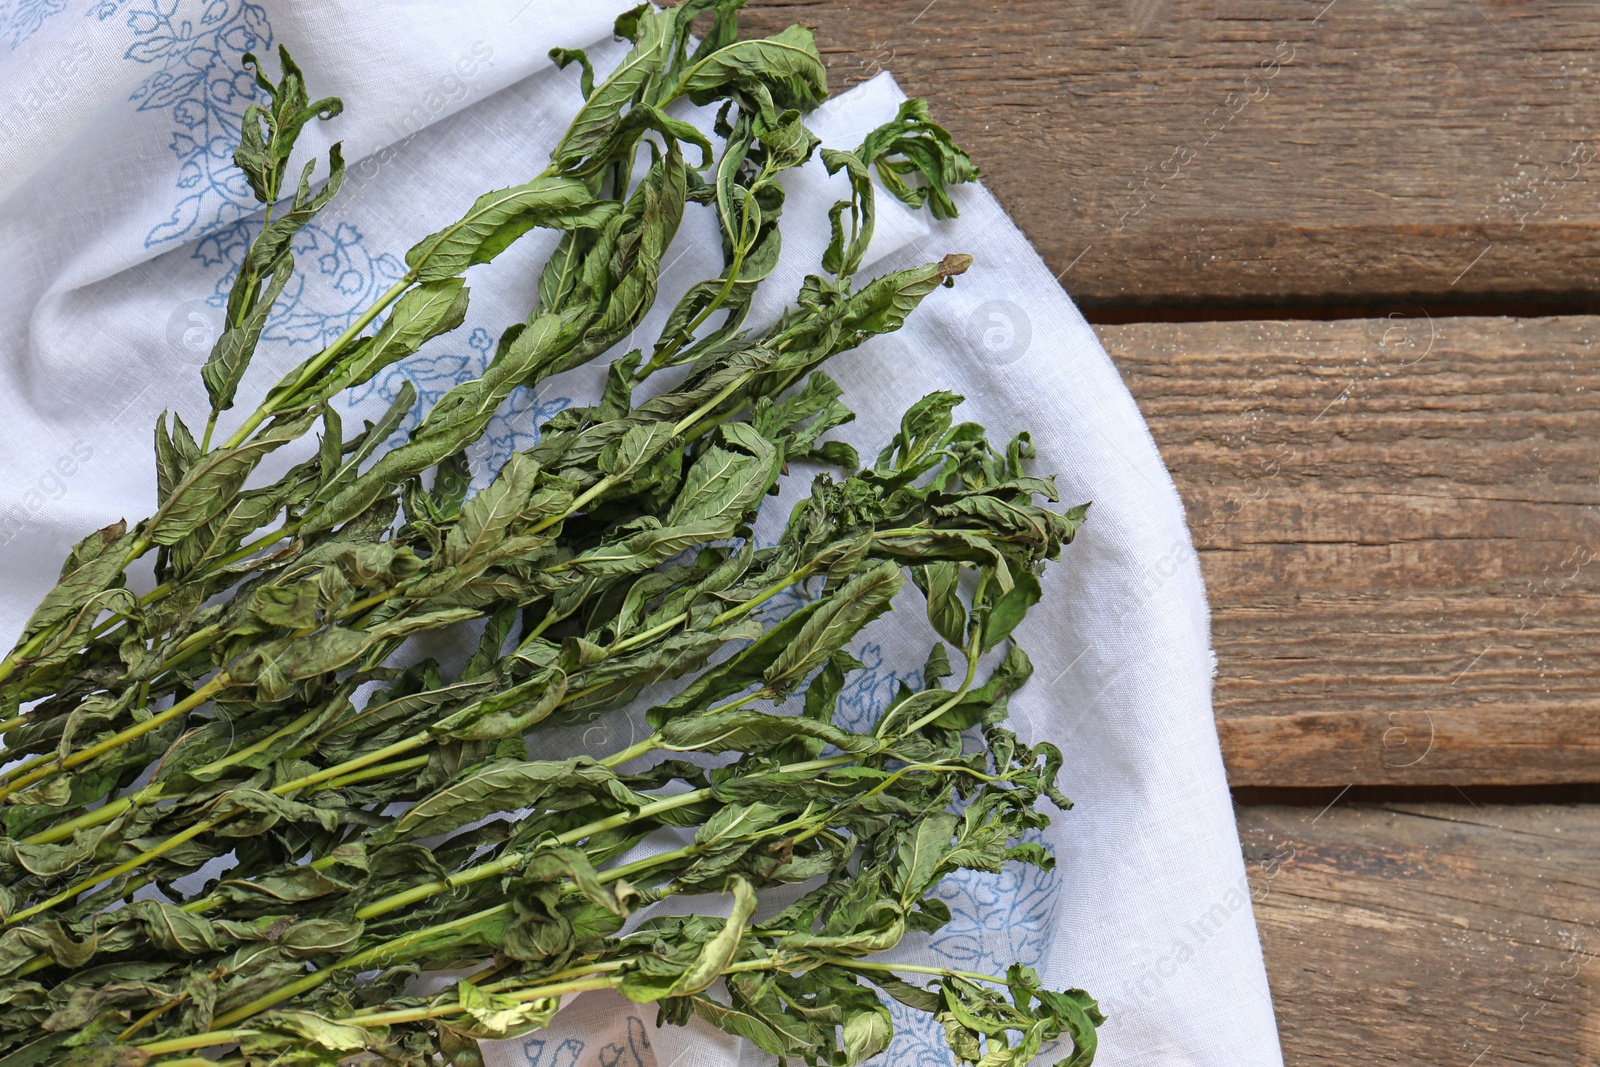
(120, 225)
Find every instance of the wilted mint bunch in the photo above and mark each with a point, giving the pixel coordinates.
(253, 706)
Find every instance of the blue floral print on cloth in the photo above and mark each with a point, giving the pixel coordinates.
(21, 19)
(633, 1049)
(199, 80)
(336, 278)
(201, 84)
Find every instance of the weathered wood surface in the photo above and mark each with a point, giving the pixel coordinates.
(1396, 520)
(1273, 151)
(1430, 935)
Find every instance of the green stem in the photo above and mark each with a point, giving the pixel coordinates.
(911, 968)
(512, 859)
(350, 771)
(361, 769)
(199, 905)
(741, 250)
(209, 635)
(610, 480)
(329, 775)
(160, 684)
(729, 705)
(399, 748)
(211, 428)
(140, 546)
(541, 992)
(369, 602)
(406, 897)
(204, 904)
(577, 505)
(632, 752)
(200, 639)
(46, 767)
(14, 658)
(789, 580)
(194, 1041)
(646, 635)
(383, 770)
(360, 960)
(628, 870)
(105, 813)
(974, 637)
(233, 758)
(665, 356)
(323, 358)
(386, 1018)
(166, 588)
(110, 810)
(122, 868)
(700, 412)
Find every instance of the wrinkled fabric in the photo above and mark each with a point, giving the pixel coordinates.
(122, 221)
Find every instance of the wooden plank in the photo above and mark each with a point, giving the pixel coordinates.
(1430, 935)
(1262, 152)
(1396, 520)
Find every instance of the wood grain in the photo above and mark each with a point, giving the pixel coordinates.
(1396, 520)
(1430, 935)
(1262, 152)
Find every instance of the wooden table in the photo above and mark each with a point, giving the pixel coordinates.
(1345, 255)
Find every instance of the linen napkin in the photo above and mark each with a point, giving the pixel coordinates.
(122, 219)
